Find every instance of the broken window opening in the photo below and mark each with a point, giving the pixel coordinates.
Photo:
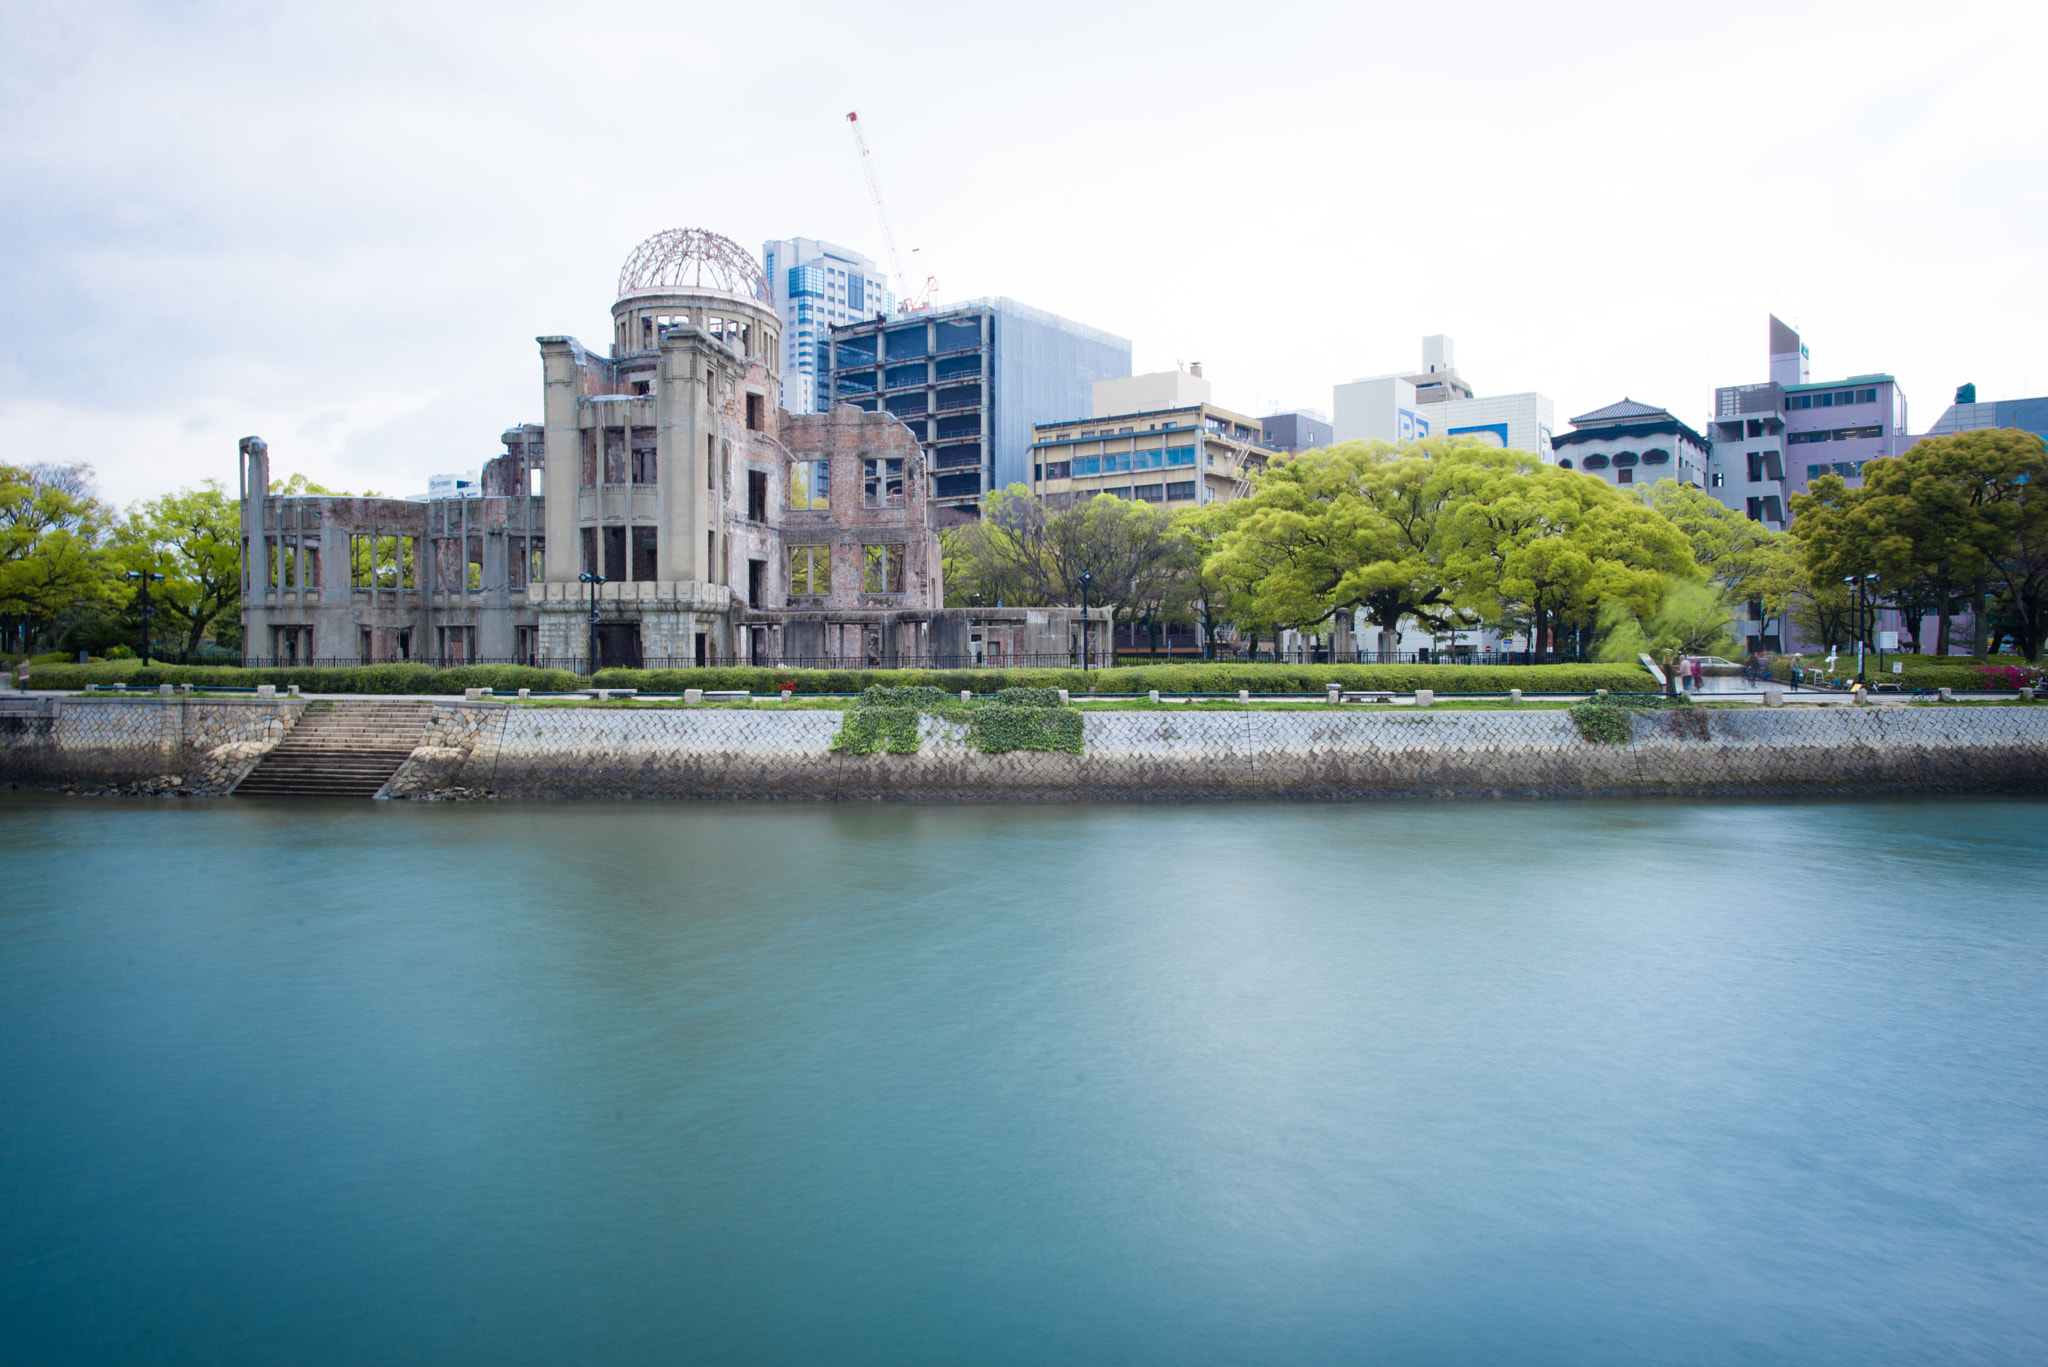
(646, 541)
(644, 446)
(810, 569)
(810, 485)
(710, 461)
(615, 554)
(757, 409)
(884, 568)
(590, 550)
(616, 470)
(757, 495)
(883, 483)
(589, 458)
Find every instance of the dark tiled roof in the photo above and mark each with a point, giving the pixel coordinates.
(1618, 412)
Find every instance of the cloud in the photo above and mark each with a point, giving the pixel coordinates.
(342, 226)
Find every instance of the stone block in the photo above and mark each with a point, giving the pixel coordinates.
(1948, 695)
(693, 695)
(266, 690)
(1063, 697)
(293, 690)
(163, 690)
(1861, 695)
(525, 692)
(1152, 695)
(1774, 697)
(1335, 692)
(1425, 697)
(1515, 696)
(1244, 697)
(472, 694)
(967, 696)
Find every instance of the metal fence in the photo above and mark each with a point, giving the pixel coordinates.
(1061, 660)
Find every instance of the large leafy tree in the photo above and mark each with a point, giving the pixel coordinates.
(51, 559)
(1020, 552)
(193, 539)
(1553, 542)
(1968, 508)
(1356, 526)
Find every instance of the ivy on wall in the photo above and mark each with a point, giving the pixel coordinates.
(886, 719)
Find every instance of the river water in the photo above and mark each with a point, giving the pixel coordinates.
(1566, 1082)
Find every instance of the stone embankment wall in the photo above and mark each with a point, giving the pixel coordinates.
(594, 752)
(715, 753)
(209, 743)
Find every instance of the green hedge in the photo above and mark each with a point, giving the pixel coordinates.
(1182, 678)
(1284, 678)
(755, 679)
(1920, 672)
(397, 678)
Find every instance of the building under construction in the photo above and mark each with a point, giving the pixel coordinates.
(665, 512)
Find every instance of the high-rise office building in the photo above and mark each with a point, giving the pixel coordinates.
(816, 286)
(970, 380)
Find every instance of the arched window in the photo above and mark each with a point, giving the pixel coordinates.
(1564, 462)
(1624, 458)
(1656, 457)
(1596, 462)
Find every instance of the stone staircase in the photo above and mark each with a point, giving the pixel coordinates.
(341, 748)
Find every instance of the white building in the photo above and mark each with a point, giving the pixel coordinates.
(1634, 443)
(814, 286)
(1437, 402)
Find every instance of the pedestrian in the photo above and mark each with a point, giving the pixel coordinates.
(1694, 663)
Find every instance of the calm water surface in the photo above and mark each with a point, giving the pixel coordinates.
(1544, 1083)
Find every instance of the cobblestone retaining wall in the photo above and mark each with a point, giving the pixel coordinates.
(597, 752)
(207, 743)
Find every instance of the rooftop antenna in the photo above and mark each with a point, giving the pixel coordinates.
(905, 302)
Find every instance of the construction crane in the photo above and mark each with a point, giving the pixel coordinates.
(905, 302)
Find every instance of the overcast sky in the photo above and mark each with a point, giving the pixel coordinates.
(341, 226)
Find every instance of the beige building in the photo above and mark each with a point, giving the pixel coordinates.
(1155, 438)
(665, 512)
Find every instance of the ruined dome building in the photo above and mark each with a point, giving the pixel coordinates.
(726, 530)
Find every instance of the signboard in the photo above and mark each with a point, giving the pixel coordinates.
(1887, 640)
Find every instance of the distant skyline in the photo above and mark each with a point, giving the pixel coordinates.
(342, 227)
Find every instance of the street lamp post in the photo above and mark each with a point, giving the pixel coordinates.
(594, 580)
(1087, 578)
(142, 581)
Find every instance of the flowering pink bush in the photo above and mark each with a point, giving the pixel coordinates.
(2009, 676)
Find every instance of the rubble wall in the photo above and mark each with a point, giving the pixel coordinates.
(208, 743)
(721, 753)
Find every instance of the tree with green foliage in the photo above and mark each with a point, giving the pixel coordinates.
(193, 539)
(1021, 553)
(1355, 527)
(1966, 508)
(1555, 542)
(1746, 560)
(1691, 618)
(51, 560)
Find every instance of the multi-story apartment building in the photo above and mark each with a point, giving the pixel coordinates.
(1303, 430)
(971, 380)
(1773, 439)
(815, 286)
(1633, 443)
(1155, 438)
(1437, 401)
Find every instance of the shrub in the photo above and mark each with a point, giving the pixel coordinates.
(865, 730)
(1601, 722)
(997, 728)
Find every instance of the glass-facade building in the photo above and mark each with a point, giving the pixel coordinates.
(971, 380)
(817, 286)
